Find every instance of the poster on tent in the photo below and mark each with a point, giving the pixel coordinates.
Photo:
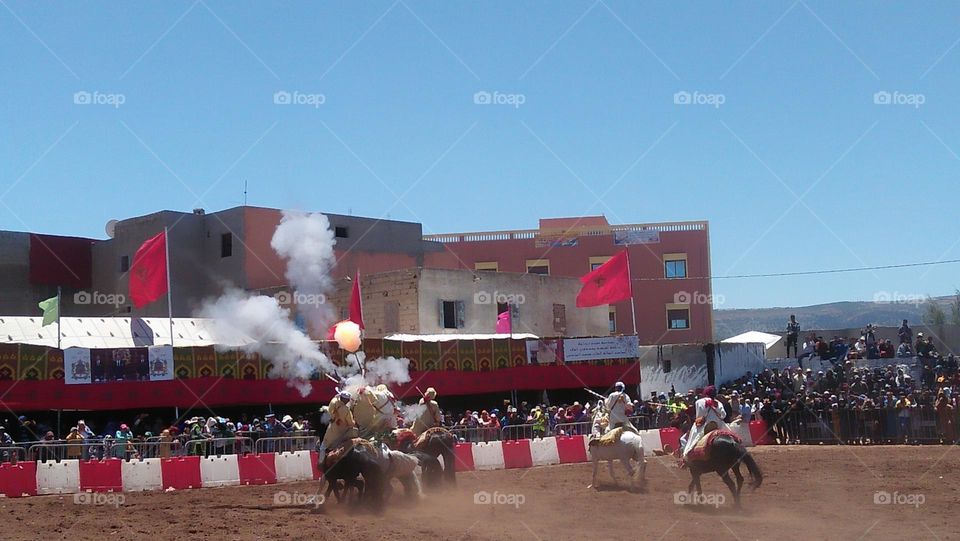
(119, 364)
(161, 363)
(76, 366)
(544, 352)
(601, 348)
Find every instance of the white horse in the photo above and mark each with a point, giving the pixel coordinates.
(374, 410)
(630, 447)
(400, 465)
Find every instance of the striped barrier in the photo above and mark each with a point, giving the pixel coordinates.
(115, 475)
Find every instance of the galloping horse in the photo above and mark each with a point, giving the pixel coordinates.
(435, 442)
(374, 411)
(723, 452)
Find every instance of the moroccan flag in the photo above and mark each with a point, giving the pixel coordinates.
(51, 310)
(148, 273)
(356, 305)
(504, 325)
(607, 284)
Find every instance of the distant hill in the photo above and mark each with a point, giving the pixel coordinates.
(835, 315)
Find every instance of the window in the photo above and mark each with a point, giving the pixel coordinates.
(340, 232)
(612, 318)
(675, 265)
(391, 317)
(678, 316)
(502, 307)
(560, 318)
(124, 263)
(451, 314)
(597, 261)
(538, 266)
(487, 266)
(226, 245)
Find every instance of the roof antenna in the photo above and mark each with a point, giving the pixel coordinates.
(244, 192)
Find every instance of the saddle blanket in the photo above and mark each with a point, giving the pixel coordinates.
(701, 450)
(609, 438)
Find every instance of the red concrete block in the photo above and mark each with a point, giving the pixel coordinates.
(18, 479)
(181, 472)
(571, 449)
(464, 452)
(760, 433)
(101, 475)
(257, 469)
(670, 436)
(516, 454)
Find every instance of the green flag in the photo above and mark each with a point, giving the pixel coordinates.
(51, 310)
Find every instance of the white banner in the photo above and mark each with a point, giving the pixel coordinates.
(161, 362)
(630, 237)
(595, 349)
(542, 352)
(76, 365)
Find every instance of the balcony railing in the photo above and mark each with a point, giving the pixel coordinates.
(524, 234)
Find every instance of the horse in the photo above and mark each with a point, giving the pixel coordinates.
(435, 442)
(348, 462)
(399, 465)
(725, 452)
(628, 447)
(374, 411)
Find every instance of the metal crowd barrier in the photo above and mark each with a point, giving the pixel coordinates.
(286, 444)
(475, 434)
(12, 454)
(857, 426)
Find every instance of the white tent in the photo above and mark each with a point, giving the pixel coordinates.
(753, 337)
(446, 337)
(114, 332)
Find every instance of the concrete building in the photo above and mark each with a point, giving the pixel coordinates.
(444, 301)
(670, 265)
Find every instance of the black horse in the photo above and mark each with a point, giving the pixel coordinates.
(436, 442)
(348, 465)
(724, 453)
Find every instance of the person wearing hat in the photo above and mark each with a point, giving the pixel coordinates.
(431, 414)
(74, 443)
(709, 417)
(341, 425)
(617, 404)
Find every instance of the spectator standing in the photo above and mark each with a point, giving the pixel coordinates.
(793, 334)
(74, 443)
(905, 334)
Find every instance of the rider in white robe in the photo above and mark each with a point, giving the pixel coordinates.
(341, 425)
(709, 417)
(616, 406)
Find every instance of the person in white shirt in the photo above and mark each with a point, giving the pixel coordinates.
(616, 406)
(710, 414)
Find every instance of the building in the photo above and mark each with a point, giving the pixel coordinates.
(670, 264)
(447, 301)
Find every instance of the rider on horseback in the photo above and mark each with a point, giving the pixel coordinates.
(616, 406)
(341, 426)
(709, 417)
(431, 414)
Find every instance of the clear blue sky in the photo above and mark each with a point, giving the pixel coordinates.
(598, 130)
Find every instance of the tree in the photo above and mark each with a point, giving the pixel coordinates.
(934, 316)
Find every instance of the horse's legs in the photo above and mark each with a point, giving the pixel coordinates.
(596, 469)
(736, 472)
(733, 489)
(694, 481)
(629, 468)
(610, 468)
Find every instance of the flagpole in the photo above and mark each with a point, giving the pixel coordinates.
(58, 317)
(633, 307)
(166, 249)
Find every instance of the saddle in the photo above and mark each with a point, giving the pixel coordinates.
(701, 449)
(427, 434)
(607, 439)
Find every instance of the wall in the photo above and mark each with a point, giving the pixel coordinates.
(539, 294)
(688, 365)
(16, 292)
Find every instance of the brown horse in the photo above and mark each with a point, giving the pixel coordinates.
(724, 453)
(435, 442)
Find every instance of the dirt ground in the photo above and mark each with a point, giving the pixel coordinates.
(807, 493)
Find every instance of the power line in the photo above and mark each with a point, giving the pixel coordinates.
(807, 273)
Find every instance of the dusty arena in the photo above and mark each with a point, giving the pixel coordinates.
(807, 493)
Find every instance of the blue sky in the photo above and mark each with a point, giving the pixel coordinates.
(787, 111)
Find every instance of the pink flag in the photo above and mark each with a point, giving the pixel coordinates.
(503, 323)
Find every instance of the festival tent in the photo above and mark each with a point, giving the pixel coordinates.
(752, 337)
(115, 332)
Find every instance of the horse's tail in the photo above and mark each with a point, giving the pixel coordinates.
(752, 467)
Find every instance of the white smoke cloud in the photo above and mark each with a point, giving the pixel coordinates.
(386, 370)
(266, 328)
(412, 412)
(306, 242)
